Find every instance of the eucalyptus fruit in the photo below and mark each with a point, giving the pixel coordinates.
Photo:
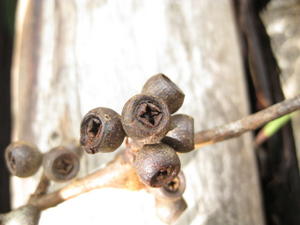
(157, 164)
(22, 159)
(61, 164)
(101, 131)
(146, 118)
(181, 134)
(172, 190)
(162, 87)
(169, 201)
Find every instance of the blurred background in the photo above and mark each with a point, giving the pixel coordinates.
(59, 59)
(7, 19)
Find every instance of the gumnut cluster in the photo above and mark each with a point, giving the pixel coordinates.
(149, 122)
(154, 136)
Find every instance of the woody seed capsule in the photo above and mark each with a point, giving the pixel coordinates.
(169, 201)
(61, 164)
(161, 86)
(22, 159)
(101, 131)
(145, 118)
(172, 190)
(157, 164)
(181, 134)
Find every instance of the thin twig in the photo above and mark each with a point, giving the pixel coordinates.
(117, 174)
(248, 123)
(41, 188)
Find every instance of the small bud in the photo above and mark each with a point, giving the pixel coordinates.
(101, 131)
(157, 164)
(25, 215)
(145, 118)
(161, 86)
(169, 201)
(172, 190)
(61, 164)
(22, 159)
(181, 135)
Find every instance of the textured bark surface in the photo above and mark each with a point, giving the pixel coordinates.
(282, 19)
(72, 56)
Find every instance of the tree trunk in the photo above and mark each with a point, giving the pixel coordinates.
(285, 42)
(72, 56)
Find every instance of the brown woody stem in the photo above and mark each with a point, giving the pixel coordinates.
(120, 174)
(117, 174)
(41, 188)
(251, 122)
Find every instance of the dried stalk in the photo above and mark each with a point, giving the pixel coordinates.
(41, 188)
(120, 174)
(251, 122)
(117, 174)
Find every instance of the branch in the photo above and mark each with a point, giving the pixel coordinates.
(251, 122)
(41, 188)
(119, 173)
(116, 174)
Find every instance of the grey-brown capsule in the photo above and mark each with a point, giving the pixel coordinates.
(101, 131)
(157, 164)
(146, 118)
(172, 190)
(181, 135)
(61, 164)
(161, 86)
(22, 159)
